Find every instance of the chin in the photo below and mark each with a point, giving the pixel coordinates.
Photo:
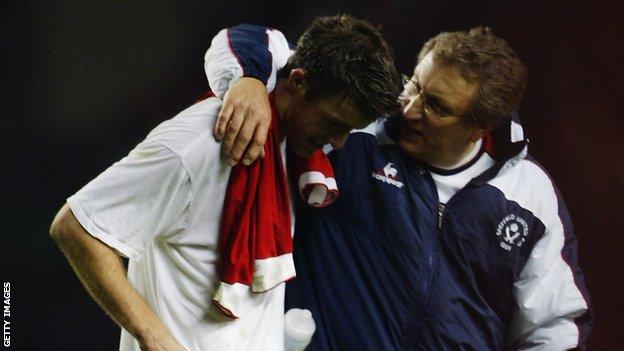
(413, 149)
(302, 152)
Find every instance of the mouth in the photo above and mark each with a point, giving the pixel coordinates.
(410, 130)
(304, 152)
(414, 132)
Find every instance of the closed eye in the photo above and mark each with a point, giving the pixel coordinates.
(437, 106)
(335, 125)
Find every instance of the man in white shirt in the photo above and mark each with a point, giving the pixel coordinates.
(161, 205)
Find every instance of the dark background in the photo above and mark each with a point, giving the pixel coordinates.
(85, 82)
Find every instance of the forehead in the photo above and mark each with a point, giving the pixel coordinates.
(425, 64)
(445, 81)
(341, 110)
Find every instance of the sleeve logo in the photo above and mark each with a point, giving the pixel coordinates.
(512, 231)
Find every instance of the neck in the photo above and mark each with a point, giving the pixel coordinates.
(282, 100)
(461, 158)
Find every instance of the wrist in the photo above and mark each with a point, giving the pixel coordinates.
(150, 337)
(249, 80)
(253, 76)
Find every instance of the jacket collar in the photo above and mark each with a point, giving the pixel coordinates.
(506, 143)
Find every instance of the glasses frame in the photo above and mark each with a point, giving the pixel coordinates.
(429, 109)
(426, 106)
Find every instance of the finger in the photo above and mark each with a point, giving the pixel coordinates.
(223, 119)
(231, 133)
(256, 147)
(242, 141)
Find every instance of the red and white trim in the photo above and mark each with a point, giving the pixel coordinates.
(317, 189)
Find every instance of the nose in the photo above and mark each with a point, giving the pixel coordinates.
(412, 108)
(337, 141)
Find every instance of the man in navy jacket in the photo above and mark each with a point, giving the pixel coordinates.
(447, 234)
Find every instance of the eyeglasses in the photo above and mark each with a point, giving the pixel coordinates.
(431, 106)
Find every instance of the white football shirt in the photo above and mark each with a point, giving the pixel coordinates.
(160, 206)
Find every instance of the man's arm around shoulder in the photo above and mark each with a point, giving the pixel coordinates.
(101, 271)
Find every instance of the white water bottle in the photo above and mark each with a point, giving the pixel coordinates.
(298, 329)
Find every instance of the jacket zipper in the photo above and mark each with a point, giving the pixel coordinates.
(441, 208)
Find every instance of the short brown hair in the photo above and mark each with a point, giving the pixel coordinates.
(487, 59)
(348, 57)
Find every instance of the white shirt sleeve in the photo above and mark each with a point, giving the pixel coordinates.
(245, 50)
(221, 65)
(144, 196)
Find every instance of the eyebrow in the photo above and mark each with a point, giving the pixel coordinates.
(434, 96)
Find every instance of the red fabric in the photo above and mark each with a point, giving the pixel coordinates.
(489, 144)
(206, 95)
(255, 222)
(318, 162)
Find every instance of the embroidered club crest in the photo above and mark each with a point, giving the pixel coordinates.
(512, 231)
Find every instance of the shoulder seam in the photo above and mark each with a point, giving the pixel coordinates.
(188, 175)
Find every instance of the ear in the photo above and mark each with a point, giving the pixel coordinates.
(297, 79)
